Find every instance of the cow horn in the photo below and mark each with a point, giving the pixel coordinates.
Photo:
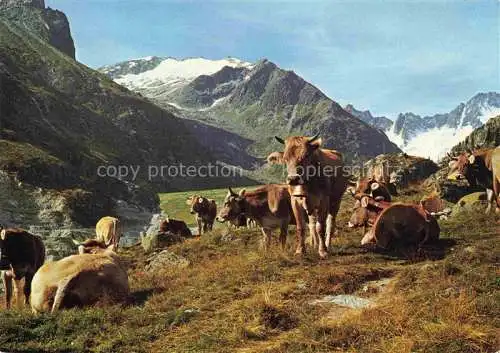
(3, 234)
(472, 158)
(232, 192)
(312, 139)
(280, 140)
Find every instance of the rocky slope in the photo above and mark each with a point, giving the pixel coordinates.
(46, 23)
(433, 136)
(255, 101)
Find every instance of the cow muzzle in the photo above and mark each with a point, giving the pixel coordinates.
(297, 190)
(294, 180)
(220, 219)
(350, 225)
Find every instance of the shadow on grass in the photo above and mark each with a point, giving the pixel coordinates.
(140, 297)
(432, 251)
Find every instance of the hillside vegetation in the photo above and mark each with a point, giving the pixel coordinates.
(235, 298)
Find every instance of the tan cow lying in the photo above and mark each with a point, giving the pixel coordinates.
(108, 230)
(79, 280)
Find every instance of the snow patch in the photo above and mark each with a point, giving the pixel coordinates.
(487, 112)
(434, 143)
(173, 70)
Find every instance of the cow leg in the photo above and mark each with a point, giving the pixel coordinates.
(321, 228)
(330, 230)
(332, 218)
(18, 288)
(198, 220)
(312, 231)
(489, 197)
(496, 192)
(300, 225)
(7, 284)
(27, 287)
(283, 234)
(266, 240)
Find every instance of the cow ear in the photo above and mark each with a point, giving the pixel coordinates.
(374, 186)
(200, 200)
(452, 164)
(3, 234)
(189, 200)
(242, 193)
(280, 140)
(472, 158)
(315, 142)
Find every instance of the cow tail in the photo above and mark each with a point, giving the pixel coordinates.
(115, 243)
(62, 289)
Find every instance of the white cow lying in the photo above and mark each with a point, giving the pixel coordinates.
(79, 280)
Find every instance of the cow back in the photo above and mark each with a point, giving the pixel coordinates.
(23, 249)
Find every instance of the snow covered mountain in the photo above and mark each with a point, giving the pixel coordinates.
(433, 136)
(164, 78)
(254, 100)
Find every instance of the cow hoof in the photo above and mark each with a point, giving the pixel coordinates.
(323, 254)
(300, 252)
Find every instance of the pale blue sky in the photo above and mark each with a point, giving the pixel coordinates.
(386, 56)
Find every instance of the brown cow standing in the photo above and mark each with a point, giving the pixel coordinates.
(108, 230)
(205, 211)
(269, 206)
(21, 255)
(176, 227)
(482, 167)
(316, 183)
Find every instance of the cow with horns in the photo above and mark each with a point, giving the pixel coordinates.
(316, 182)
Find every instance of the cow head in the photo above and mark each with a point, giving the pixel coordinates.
(275, 158)
(233, 208)
(4, 260)
(299, 156)
(461, 167)
(198, 203)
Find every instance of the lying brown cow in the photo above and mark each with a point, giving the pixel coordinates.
(269, 206)
(108, 230)
(176, 227)
(205, 211)
(366, 211)
(480, 168)
(21, 255)
(78, 281)
(402, 225)
(316, 183)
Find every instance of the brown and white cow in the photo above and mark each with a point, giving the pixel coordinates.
(480, 168)
(176, 227)
(21, 255)
(365, 211)
(316, 183)
(108, 230)
(205, 211)
(269, 206)
(378, 190)
(78, 281)
(402, 225)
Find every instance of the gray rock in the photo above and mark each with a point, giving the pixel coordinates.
(165, 259)
(39, 4)
(350, 301)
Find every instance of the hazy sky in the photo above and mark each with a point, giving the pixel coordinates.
(386, 56)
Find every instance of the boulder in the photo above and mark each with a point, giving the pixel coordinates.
(155, 241)
(165, 259)
(472, 202)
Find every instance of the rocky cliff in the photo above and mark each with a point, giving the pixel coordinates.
(46, 23)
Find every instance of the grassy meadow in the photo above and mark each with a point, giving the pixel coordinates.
(235, 298)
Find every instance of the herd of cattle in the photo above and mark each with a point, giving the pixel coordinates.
(306, 198)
